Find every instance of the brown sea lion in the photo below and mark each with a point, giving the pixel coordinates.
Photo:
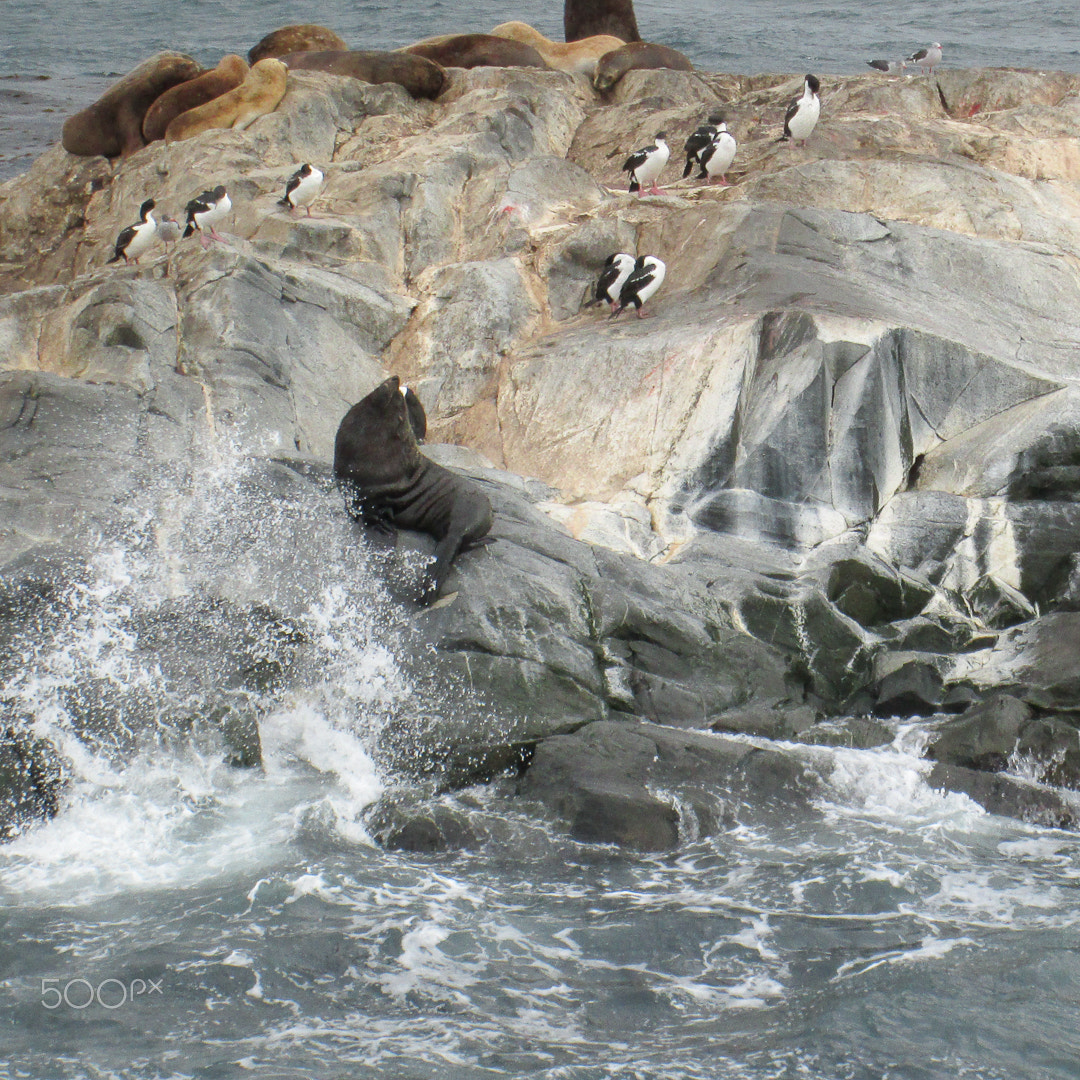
(113, 124)
(576, 56)
(476, 50)
(305, 37)
(636, 55)
(228, 75)
(421, 77)
(257, 95)
(587, 18)
(387, 481)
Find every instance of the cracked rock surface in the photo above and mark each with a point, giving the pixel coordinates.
(834, 475)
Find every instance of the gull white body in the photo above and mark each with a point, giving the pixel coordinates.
(927, 58)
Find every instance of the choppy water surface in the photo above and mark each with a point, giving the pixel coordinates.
(183, 919)
(56, 57)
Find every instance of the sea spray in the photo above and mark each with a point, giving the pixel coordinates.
(236, 618)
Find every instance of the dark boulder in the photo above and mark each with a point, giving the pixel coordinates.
(604, 782)
(1006, 795)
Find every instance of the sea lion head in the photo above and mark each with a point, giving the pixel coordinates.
(375, 442)
(610, 68)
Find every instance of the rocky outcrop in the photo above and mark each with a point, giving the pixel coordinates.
(646, 787)
(833, 476)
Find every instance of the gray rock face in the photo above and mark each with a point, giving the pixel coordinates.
(1008, 795)
(835, 474)
(602, 782)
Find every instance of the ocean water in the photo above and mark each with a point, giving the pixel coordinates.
(57, 57)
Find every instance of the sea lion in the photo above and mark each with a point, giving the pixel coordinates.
(421, 77)
(636, 55)
(113, 124)
(228, 75)
(576, 56)
(587, 18)
(387, 481)
(476, 50)
(304, 37)
(258, 94)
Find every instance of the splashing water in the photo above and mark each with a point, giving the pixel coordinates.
(204, 607)
(182, 917)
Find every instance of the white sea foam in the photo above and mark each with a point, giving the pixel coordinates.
(928, 949)
(142, 812)
(426, 969)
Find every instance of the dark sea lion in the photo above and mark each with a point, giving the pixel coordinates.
(228, 75)
(635, 56)
(575, 56)
(304, 37)
(260, 93)
(387, 481)
(421, 77)
(476, 50)
(587, 18)
(113, 124)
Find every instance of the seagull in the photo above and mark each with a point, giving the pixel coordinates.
(303, 188)
(646, 164)
(209, 207)
(699, 140)
(647, 277)
(617, 268)
(137, 238)
(926, 58)
(168, 231)
(889, 67)
(802, 112)
(717, 157)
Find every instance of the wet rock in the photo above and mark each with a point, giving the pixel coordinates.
(832, 649)
(856, 732)
(1007, 795)
(605, 783)
(984, 737)
(32, 584)
(912, 689)
(1050, 748)
(423, 826)
(32, 780)
(240, 733)
(772, 722)
(871, 593)
(1035, 661)
(998, 604)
